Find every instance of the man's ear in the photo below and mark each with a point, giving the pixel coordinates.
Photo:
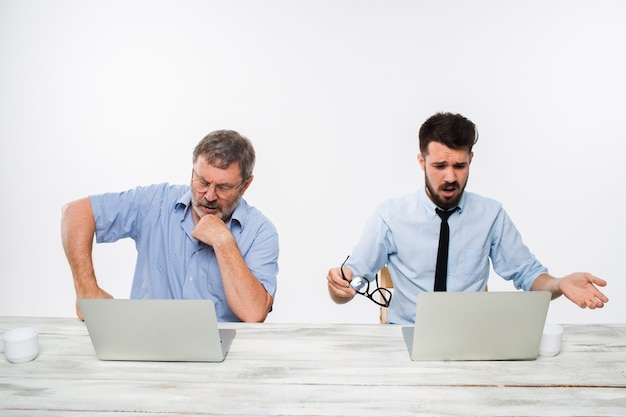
(420, 159)
(247, 184)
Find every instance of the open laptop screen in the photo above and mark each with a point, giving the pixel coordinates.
(477, 325)
(155, 330)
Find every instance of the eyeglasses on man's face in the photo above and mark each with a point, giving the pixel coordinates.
(223, 191)
(381, 296)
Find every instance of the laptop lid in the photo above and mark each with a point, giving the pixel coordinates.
(477, 325)
(155, 330)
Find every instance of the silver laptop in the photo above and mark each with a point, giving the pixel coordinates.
(155, 330)
(452, 326)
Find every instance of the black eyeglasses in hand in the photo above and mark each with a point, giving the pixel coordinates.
(362, 286)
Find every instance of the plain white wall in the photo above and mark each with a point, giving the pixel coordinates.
(102, 96)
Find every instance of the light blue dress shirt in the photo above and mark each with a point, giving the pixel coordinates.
(170, 263)
(404, 234)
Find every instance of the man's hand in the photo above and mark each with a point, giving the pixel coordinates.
(96, 293)
(211, 230)
(580, 288)
(339, 288)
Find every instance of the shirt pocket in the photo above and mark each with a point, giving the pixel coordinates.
(475, 265)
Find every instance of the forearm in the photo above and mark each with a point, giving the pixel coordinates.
(245, 295)
(546, 282)
(77, 231)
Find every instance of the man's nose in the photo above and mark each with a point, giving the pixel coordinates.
(449, 175)
(210, 194)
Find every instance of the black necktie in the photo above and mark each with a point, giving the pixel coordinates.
(441, 270)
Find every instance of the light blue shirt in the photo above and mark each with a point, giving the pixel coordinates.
(170, 263)
(404, 234)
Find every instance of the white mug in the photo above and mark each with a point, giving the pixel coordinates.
(21, 345)
(550, 340)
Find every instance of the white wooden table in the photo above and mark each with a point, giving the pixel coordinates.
(314, 370)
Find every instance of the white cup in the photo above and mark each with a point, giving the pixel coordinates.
(21, 345)
(550, 340)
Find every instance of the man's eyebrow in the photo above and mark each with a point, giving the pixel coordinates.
(445, 163)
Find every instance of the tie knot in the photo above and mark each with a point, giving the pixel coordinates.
(445, 214)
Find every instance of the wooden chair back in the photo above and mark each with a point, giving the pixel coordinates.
(384, 282)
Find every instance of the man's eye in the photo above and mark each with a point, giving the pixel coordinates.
(223, 187)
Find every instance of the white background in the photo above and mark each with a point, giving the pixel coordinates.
(102, 96)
